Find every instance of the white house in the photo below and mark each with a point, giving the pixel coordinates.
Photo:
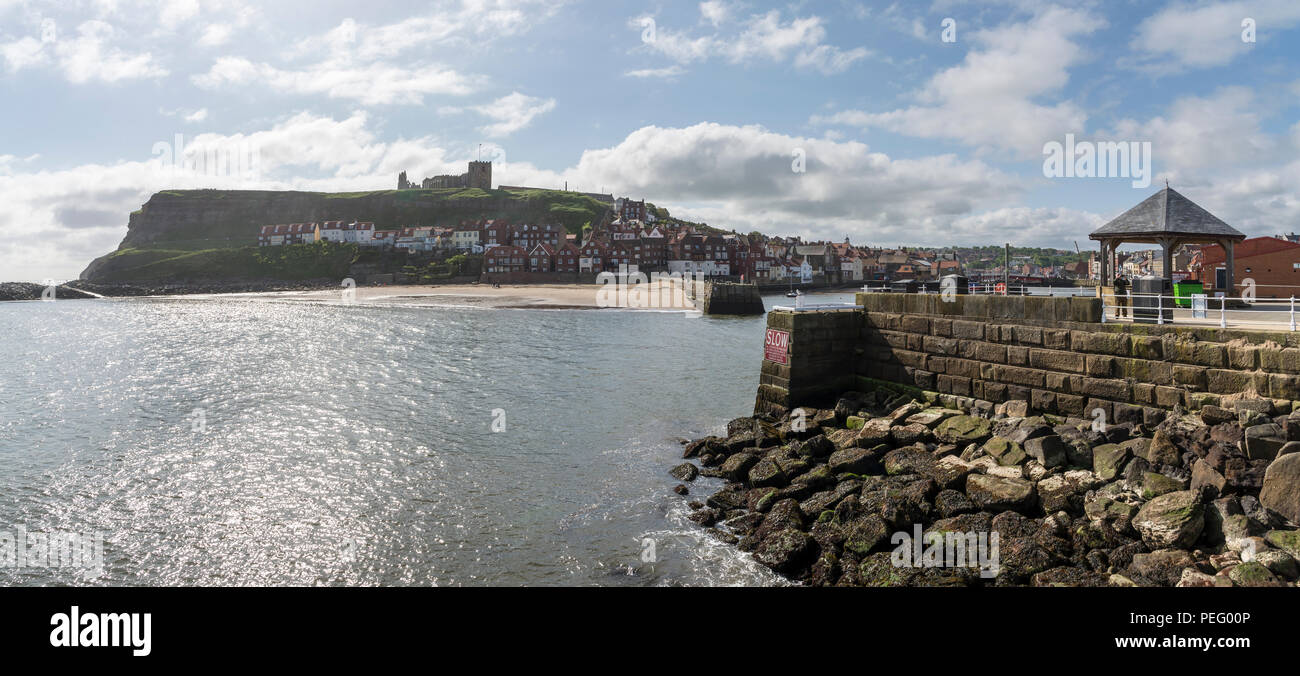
(706, 268)
(355, 233)
(465, 239)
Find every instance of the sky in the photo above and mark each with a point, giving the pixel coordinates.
(891, 123)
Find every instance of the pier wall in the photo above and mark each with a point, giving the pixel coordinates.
(725, 298)
(1053, 353)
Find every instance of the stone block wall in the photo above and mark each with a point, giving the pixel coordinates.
(824, 346)
(1049, 352)
(725, 298)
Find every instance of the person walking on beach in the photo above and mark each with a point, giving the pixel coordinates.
(1121, 296)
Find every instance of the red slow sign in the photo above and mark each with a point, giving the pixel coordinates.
(776, 346)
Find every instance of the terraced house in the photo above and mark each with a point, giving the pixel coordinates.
(505, 258)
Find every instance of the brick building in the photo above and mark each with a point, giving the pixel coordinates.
(1274, 265)
(505, 258)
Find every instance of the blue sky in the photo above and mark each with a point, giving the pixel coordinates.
(904, 137)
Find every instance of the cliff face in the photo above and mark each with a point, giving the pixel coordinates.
(194, 220)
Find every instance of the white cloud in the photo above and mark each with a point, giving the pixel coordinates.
(89, 57)
(1204, 132)
(216, 35)
(370, 83)
(991, 98)
(173, 13)
(22, 53)
(1183, 36)
(669, 72)
(513, 112)
(743, 178)
(197, 116)
(715, 12)
(1045, 227)
(359, 61)
(762, 38)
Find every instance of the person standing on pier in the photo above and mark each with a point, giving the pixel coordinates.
(1121, 296)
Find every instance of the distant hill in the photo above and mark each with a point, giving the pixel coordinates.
(190, 229)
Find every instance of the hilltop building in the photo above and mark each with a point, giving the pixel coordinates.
(479, 176)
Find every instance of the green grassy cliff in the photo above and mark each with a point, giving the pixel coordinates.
(188, 235)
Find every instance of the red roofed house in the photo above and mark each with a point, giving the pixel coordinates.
(505, 258)
(592, 257)
(541, 258)
(566, 258)
(296, 233)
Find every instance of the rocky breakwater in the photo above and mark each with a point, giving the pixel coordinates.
(29, 291)
(1210, 498)
(190, 288)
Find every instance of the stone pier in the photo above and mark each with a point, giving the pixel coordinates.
(974, 352)
(726, 298)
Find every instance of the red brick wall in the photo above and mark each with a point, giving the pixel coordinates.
(1268, 261)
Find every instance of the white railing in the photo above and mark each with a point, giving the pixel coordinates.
(1165, 310)
(816, 307)
(992, 290)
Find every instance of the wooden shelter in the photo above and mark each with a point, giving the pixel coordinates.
(1169, 220)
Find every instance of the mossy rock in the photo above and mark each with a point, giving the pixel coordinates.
(1285, 540)
(963, 429)
(1005, 451)
(1155, 485)
(1252, 574)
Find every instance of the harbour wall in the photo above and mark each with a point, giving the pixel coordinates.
(725, 298)
(974, 352)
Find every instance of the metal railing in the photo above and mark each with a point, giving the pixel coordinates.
(974, 289)
(1199, 309)
(817, 307)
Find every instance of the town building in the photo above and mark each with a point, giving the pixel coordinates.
(541, 258)
(349, 233)
(293, 233)
(566, 258)
(1272, 264)
(504, 258)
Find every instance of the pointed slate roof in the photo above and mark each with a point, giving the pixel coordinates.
(1167, 213)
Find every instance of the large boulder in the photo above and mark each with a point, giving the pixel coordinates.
(865, 534)
(1281, 491)
(931, 417)
(1162, 450)
(685, 472)
(854, 460)
(786, 551)
(909, 460)
(1252, 574)
(1049, 451)
(962, 430)
(1204, 474)
(816, 447)
(1108, 460)
(998, 493)
(767, 473)
(1005, 451)
(1155, 485)
(1264, 441)
(1285, 540)
(1173, 520)
(736, 468)
(1164, 566)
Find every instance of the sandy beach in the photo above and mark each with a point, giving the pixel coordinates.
(538, 296)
